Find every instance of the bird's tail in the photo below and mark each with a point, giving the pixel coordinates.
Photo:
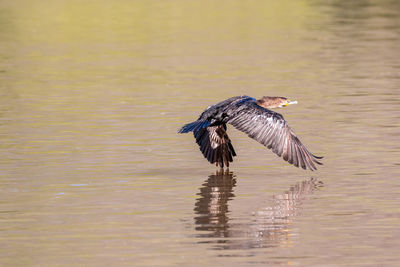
(193, 126)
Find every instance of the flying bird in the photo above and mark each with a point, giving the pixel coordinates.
(254, 118)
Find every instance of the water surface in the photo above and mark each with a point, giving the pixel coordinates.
(93, 172)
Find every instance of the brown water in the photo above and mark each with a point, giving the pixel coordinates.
(93, 172)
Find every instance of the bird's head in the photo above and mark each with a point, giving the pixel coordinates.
(274, 102)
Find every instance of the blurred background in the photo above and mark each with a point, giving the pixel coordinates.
(93, 172)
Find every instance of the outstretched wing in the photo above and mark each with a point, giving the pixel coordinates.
(215, 145)
(270, 129)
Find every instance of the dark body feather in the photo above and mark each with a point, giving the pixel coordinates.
(265, 126)
(215, 145)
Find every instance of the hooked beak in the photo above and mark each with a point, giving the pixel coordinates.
(289, 102)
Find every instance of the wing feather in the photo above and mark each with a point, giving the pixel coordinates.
(270, 129)
(215, 145)
(294, 154)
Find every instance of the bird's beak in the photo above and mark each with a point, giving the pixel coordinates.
(289, 102)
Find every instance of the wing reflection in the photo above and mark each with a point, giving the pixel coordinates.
(267, 227)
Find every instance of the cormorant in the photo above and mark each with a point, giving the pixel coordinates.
(254, 118)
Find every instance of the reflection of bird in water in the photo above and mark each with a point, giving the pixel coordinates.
(212, 207)
(271, 225)
(255, 119)
(267, 227)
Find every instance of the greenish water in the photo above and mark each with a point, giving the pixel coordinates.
(93, 173)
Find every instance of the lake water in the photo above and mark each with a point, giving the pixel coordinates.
(93, 172)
